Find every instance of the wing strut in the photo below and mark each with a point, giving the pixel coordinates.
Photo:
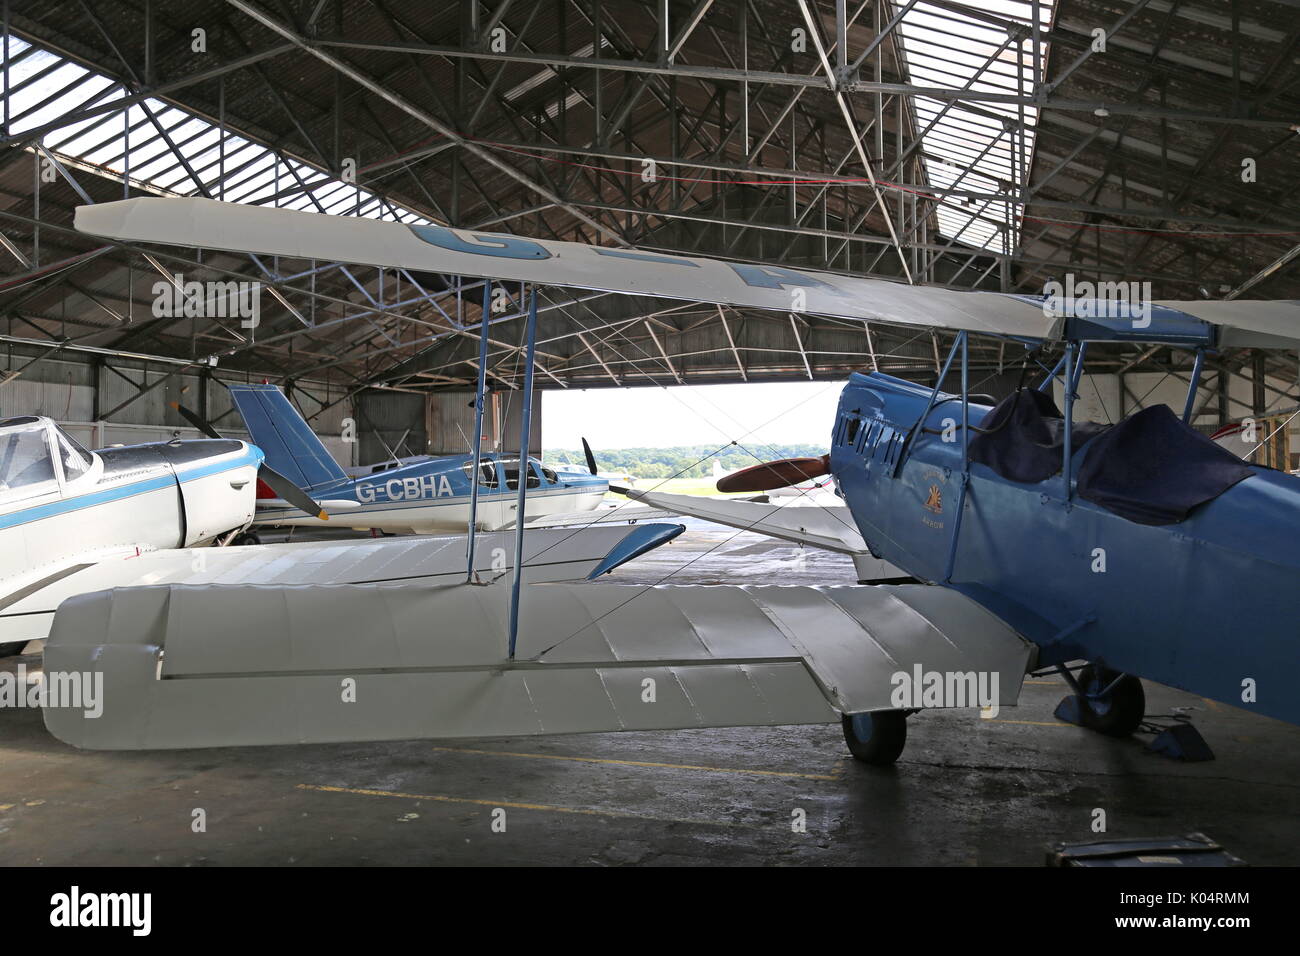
(525, 427)
(479, 399)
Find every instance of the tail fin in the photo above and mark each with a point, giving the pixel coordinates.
(291, 447)
(718, 470)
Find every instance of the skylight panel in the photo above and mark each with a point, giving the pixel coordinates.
(967, 147)
(45, 87)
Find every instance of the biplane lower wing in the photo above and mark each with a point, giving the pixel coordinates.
(552, 555)
(217, 665)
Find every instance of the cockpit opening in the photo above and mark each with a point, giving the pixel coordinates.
(29, 449)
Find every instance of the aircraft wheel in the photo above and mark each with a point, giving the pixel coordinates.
(12, 650)
(877, 738)
(247, 537)
(1120, 713)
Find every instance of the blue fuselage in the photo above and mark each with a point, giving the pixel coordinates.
(1210, 604)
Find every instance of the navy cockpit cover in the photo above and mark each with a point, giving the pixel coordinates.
(1021, 437)
(1153, 469)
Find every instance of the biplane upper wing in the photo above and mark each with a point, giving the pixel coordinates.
(209, 224)
(27, 610)
(220, 665)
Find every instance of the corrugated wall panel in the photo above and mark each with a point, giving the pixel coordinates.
(451, 422)
(57, 400)
(511, 408)
(392, 419)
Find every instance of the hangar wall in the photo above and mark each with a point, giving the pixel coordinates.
(1100, 399)
(1099, 396)
(450, 418)
(118, 412)
(390, 424)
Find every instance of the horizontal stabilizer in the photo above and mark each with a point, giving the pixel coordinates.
(329, 504)
(217, 665)
(821, 526)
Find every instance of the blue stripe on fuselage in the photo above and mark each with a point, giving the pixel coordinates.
(129, 490)
(409, 504)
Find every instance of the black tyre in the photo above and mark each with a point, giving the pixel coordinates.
(246, 537)
(876, 738)
(1120, 713)
(12, 650)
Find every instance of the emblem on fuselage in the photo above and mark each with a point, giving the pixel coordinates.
(931, 487)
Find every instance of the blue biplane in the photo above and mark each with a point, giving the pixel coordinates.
(1035, 542)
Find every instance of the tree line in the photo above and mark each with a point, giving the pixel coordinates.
(679, 461)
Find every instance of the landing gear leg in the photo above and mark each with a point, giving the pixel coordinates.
(1106, 701)
(877, 738)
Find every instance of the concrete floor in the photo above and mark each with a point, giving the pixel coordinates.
(966, 791)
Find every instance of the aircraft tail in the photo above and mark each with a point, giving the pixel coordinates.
(291, 447)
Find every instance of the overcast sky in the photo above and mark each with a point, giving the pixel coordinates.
(690, 415)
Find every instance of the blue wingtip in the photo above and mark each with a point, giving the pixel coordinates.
(642, 538)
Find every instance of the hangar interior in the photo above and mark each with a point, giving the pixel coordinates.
(990, 146)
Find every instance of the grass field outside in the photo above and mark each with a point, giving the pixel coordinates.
(683, 486)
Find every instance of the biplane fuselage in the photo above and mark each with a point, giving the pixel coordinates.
(1208, 605)
(1204, 601)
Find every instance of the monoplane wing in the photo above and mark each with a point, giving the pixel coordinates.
(219, 665)
(209, 224)
(554, 555)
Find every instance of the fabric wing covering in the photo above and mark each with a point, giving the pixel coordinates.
(193, 222)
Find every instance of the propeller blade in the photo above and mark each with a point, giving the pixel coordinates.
(200, 423)
(591, 459)
(290, 492)
(282, 486)
(775, 474)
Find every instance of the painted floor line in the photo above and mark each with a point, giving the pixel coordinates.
(644, 763)
(545, 807)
